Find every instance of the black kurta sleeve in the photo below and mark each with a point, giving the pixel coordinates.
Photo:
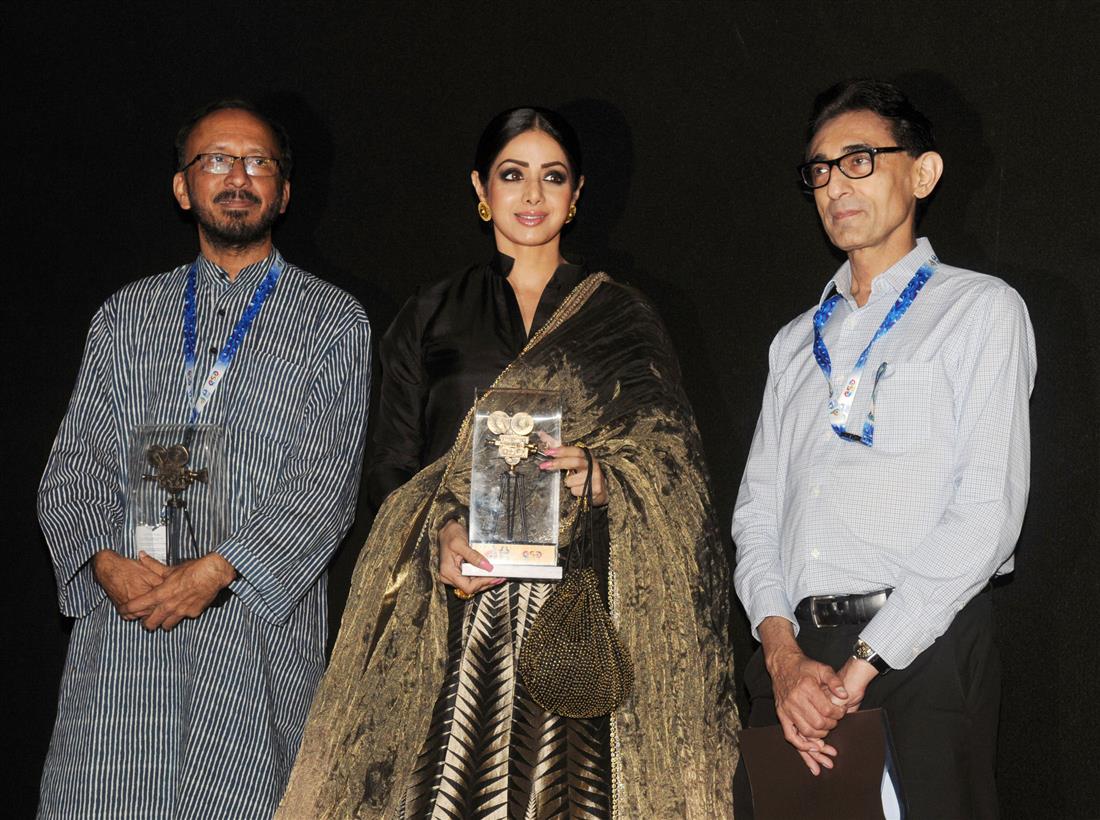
(398, 438)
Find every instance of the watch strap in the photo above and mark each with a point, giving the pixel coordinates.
(863, 651)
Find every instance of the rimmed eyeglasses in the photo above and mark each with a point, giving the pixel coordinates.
(854, 165)
(217, 163)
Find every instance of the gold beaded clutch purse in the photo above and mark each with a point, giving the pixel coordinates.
(572, 661)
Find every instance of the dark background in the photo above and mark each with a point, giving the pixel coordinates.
(692, 117)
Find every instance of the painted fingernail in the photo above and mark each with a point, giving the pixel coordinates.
(551, 451)
(546, 465)
(485, 565)
(499, 581)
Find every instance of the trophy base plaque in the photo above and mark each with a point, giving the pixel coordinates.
(536, 572)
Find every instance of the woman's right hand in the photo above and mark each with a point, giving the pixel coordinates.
(454, 548)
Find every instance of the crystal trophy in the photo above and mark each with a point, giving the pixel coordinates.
(514, 504)
(175, 507)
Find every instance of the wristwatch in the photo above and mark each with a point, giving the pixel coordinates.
(863, 651)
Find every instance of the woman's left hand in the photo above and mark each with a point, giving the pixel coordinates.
(573, 461)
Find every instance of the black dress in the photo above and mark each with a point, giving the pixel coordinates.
(491, 751)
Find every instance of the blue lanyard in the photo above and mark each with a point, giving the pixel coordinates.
(840, 405)
(229, 351)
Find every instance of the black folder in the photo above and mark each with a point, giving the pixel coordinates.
(783, 788)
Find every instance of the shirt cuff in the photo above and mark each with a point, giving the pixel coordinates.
(897, 637)
(257, 588)
(767, 603)
(80, 592)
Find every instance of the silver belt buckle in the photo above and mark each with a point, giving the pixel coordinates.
(813, 610)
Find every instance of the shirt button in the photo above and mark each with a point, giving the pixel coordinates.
(213, 348)
(850, 322)
(815, 491)
(815, 552)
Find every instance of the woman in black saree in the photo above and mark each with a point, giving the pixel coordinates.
(422, 712)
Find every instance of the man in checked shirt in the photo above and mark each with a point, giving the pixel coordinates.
(888, 475)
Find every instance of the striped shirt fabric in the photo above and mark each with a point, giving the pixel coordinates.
(204, 721)
(934, 507)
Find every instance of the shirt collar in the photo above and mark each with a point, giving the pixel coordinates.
(211, 273)
(896, 277)
(567, 273)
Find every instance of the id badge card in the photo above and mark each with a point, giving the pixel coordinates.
(152, 539)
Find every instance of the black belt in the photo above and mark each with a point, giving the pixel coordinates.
(840, 610)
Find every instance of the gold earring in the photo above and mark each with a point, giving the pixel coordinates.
(484, 211)
(572, 213)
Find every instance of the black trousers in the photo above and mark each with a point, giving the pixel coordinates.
(942, 710)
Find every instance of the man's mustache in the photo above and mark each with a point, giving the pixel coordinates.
(227, 196)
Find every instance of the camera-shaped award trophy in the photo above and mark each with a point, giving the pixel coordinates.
(175, 503)
(514, 506)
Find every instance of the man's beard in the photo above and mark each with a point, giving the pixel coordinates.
(231, 229)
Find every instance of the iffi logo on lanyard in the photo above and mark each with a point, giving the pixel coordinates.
(840, 405)
(229, 351)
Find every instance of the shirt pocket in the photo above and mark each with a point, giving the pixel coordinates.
(270, 396)
(903, 407)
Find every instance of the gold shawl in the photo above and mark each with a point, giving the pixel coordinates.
(674, 741)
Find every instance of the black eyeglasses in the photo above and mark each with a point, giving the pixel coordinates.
(217, 163)
(854, 165)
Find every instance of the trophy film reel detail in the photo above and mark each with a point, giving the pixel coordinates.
(512, 432)
(513, 445)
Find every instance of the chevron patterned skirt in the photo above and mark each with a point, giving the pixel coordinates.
(491, 751)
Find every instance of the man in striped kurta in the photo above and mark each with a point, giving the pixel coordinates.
(186, 686)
